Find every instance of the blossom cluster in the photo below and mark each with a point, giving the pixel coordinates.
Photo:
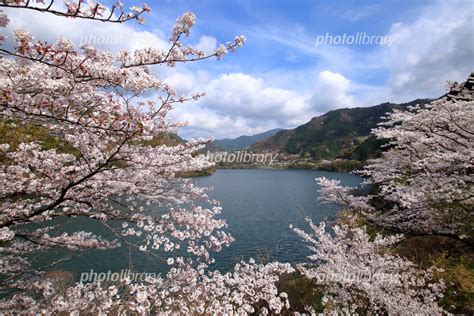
(184, 290)
(110, 166)
(86, 10)
(405, 289)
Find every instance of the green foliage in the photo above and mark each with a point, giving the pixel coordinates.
(370, 148)
(198, 173)
(301, 292)
(163, 139)
(14, 133)
(340, 165)
(455, 257)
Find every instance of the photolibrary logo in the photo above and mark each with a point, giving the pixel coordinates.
(241, 157)
(94, 277)
(121, 39)
(359, 277)
(360, 38)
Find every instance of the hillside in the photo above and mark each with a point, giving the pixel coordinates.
(343, 133)
(14, 133)
(242, 142)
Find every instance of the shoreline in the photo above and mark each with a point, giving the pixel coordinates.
(337, 165)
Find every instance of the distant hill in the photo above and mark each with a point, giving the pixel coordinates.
(242, 142)
(342, 133)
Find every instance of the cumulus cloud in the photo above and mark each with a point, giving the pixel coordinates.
(332, 92)
(436, 47)
(205, 122)
(183, 83)
(237, 104)
(207, 44)
(108, 36)
(247, 96)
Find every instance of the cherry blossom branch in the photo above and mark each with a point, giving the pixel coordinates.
(75, 10)
(57, 202)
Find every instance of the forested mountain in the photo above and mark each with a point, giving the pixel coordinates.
(342, 133)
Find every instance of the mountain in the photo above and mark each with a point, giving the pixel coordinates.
(242, 142)
(342, 133)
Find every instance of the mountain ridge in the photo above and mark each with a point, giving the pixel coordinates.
(334, 134)
(244, 141)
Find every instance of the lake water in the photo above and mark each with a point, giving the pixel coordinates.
(259, 206)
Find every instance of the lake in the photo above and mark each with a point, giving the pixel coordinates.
(259, 206)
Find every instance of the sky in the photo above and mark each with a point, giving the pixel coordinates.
(294, 65)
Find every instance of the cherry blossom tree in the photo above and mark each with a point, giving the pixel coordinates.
(107, 170)
(360, 276)
(423, 182)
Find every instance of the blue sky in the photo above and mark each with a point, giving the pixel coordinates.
(280, 78)
(269, 24)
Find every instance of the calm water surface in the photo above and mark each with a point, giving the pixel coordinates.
(258, 205)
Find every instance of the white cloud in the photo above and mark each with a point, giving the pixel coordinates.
(107, 36)
(207, 44)
(436, 47)
(236, 104)
(204, 122)
(428, 50)
(332, 92)
(183, 83)
(245, 95)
